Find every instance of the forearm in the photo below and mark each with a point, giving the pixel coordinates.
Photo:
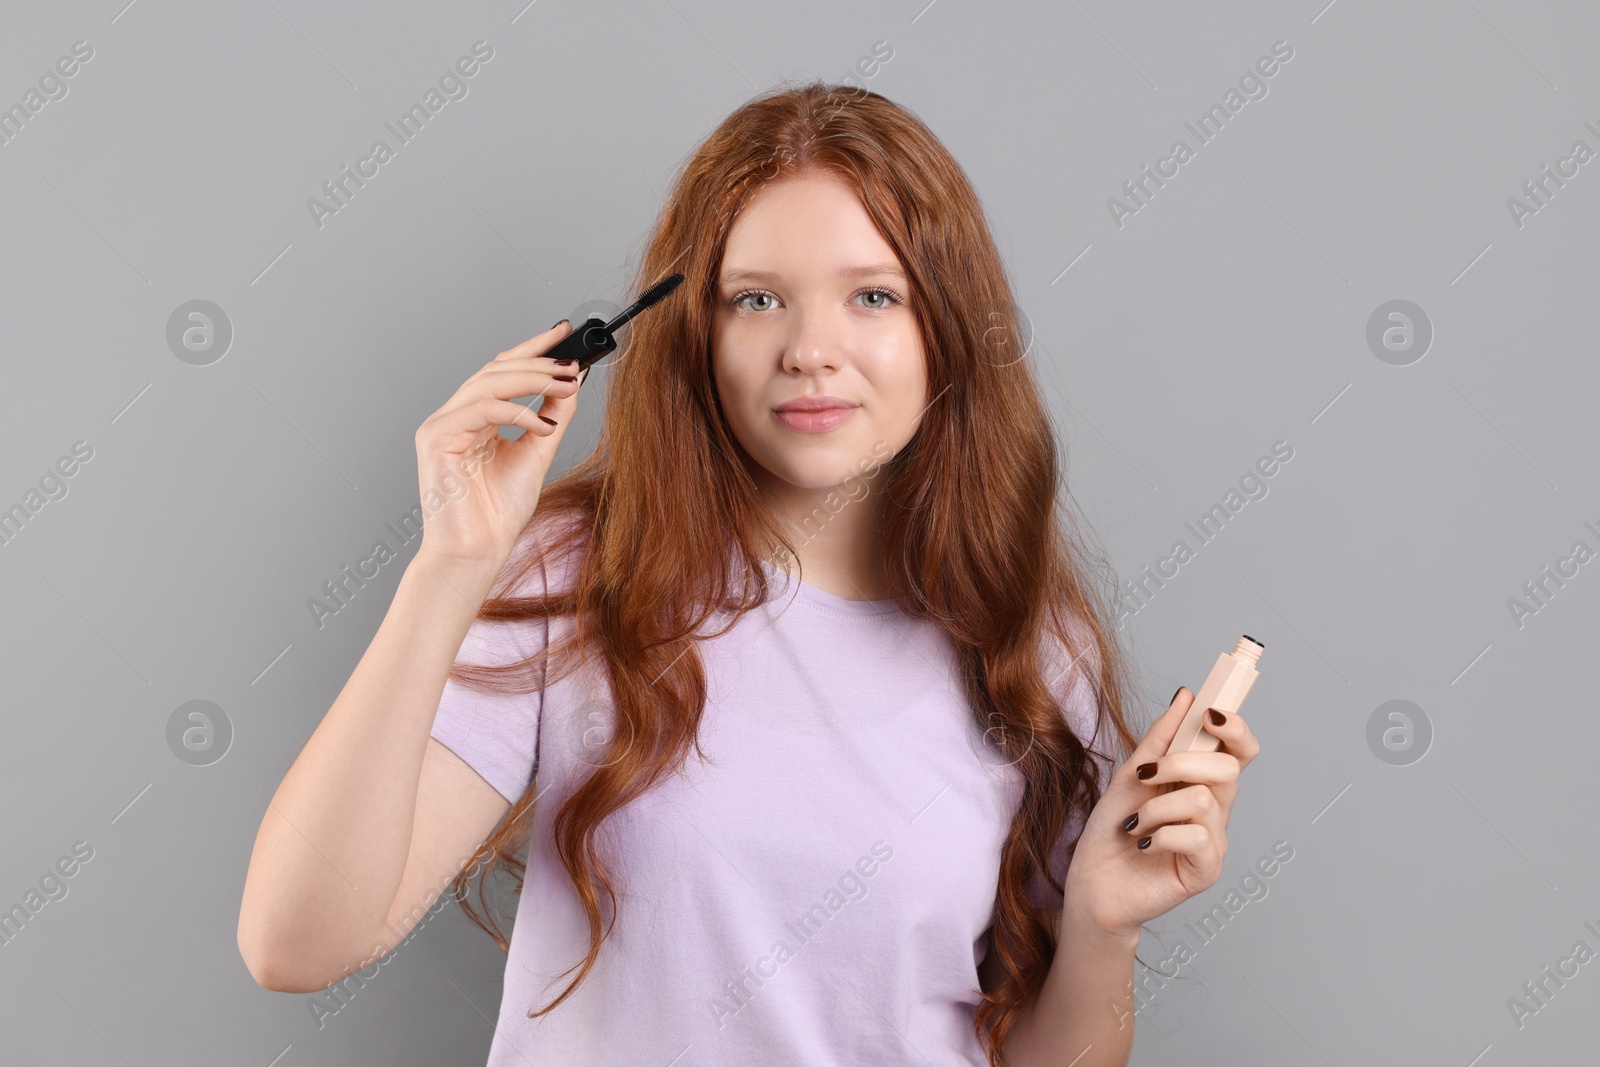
(332, 844)
(1083, 1015)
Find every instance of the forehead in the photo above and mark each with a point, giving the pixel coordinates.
(813, 225)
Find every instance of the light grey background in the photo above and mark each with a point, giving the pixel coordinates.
(1229, 313)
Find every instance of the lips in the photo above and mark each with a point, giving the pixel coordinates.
(814, 403)
(814, 414)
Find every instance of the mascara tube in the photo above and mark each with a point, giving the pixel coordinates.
(1225, 689)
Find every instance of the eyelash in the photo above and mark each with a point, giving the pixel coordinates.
(893, 296)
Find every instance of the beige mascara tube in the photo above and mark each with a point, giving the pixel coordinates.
(1225, 689)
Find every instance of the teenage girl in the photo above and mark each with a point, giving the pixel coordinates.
(792, 713)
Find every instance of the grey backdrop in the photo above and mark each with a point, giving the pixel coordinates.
(217, 487)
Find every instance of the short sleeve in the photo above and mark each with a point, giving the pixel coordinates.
(498, 735)
(1071, 674)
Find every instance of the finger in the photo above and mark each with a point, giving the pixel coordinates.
(1205, 768)
(489, 412)
(557, 369)
(545, 361)
(1237, 739)
(490, 399)
(1158, 738)
(514, 382)
(566, 370)
(561, 405)
(1192, 803)
(1190, 842)
(534, 377)
(539, 342)
(530, 455)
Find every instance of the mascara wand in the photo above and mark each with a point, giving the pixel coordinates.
(595, 338)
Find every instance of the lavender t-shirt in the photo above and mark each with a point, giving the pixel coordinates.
(818, 893)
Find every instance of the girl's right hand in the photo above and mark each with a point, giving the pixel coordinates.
(478, 490)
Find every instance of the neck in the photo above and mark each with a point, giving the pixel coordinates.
(836, 537)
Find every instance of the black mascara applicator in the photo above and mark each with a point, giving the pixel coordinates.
(596, 337)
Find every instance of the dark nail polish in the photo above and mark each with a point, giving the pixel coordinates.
(1217, 718)
(552, 422)
(1144, 842)
(1130, 822)
(565, 362)
(1146, 770)
(566, 378)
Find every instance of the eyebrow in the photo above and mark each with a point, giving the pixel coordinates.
(871, 270)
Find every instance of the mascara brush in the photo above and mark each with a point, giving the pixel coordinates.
(596, 337)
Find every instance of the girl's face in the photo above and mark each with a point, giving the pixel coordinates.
(812, 304)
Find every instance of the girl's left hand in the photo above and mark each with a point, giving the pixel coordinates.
(1145, 850)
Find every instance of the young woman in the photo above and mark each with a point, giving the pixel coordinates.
(794, 711)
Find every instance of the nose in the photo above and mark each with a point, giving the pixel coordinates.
(811, 348)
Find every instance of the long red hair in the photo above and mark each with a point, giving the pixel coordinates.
(978, 531)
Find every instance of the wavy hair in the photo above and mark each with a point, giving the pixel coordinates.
(975, 531)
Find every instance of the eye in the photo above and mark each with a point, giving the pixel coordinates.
(890, 297)
(887, 298)
(738, 301)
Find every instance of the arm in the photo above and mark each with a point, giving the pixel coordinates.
(375, 817)
(1083, 1015)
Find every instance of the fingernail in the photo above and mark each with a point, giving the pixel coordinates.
(565, 378)
(1217, 718)
(552, 422)
(1146, 770)
(1175, 693)
(565, 362)
(1130, 822)
(1144, 842)
(558, 322)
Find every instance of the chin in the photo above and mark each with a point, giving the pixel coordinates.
(824, 470)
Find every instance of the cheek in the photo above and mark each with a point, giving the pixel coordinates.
(724, 371)
(739, 393)
(901, 426)
(734, 386)
(904, 380)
